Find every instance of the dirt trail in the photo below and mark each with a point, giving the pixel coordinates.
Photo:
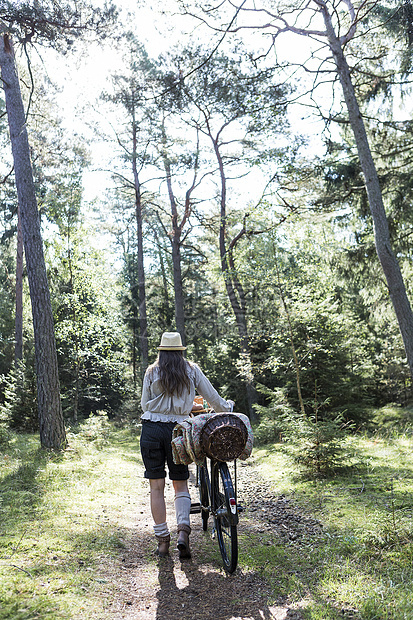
(148, 588)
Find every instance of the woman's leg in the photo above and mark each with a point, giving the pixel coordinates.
(182, 510)
(158, 509)
(182, 501)
(158, 506)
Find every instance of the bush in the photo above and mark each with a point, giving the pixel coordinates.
(4, 435)
(272, 417)
(19, 409)
(319, 446)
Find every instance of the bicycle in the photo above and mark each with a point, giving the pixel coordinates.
(218, 496)
(223, 438)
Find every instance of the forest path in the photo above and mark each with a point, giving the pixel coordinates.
(144, 587)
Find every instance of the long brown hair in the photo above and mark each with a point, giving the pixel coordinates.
(173, 372)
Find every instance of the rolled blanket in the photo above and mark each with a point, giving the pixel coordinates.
(179, 453)
(186, 447)
(186, 443)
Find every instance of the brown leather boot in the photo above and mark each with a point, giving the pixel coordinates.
(163, 546)
(183, 541)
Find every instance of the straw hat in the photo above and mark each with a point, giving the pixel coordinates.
(171, 341)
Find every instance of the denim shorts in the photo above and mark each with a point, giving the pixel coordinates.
(156, 450)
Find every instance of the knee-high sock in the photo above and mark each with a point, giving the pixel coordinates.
(161, 529)
(182, 508)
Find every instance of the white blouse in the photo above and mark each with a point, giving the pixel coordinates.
(161, 407)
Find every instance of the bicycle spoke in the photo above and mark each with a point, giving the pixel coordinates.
(224, 508)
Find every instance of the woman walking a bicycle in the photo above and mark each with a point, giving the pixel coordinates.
(168, 393)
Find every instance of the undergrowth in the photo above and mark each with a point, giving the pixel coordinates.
(59, 528)
(56, 528)
(361, 564)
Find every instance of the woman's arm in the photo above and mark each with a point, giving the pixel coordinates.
(207, 390)
(146, 392)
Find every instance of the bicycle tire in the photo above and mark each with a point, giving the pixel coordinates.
(203, 497)
(225, 519)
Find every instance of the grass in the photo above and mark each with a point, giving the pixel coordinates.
(64, 516)
(55, 531)
(363, 561)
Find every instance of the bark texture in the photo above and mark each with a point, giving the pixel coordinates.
(143, 320)
(52, 431)
(234, 288)
(175, 237)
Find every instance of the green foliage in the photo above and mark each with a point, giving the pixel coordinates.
(335, 349)
(4, 430)
(91, 352)
(392, 418)
(6, 309)
(56, 24)
(89, 334)
(335, 546)
(398, 24)
(19, 409)
(4, 434)
(232, 86)
(272, 417)
(360, 563)
(57, 522)
(95, 429)
(318, 445)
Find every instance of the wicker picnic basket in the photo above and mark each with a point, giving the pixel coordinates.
(224, 436)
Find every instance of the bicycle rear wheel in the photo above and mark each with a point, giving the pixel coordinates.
(203, 497)
(225, 514)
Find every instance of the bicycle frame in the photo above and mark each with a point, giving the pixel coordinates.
(231, 513)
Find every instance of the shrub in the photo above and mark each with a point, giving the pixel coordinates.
(272, 417)
(19, 408)
(319, 446)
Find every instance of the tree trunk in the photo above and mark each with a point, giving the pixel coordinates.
(143, 320)
(239, 310)
(18, 334)
(176, 257)
(290, 328)
(52, 430)
(167, 310)
(387, 258)
(134, 347)
(233, 285)
(178, 288)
